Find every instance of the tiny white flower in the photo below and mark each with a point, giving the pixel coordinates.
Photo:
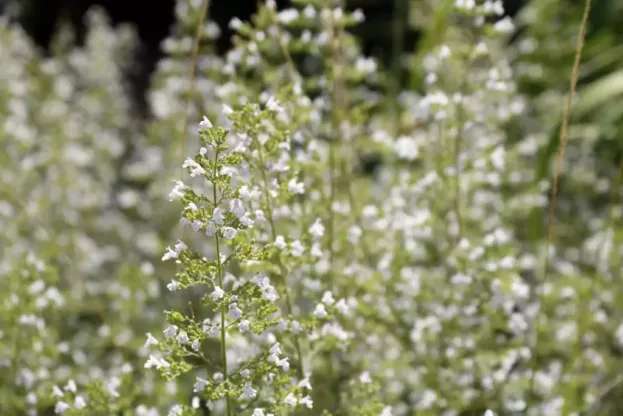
(170, 331)
(297, 248)
(210, 228)
(283, 363)
(234, 311)
(71, 386)
(195, 345)
(79, 402)
(243, 326)
(182, 337)
(195, 167)
(327, 298)
(259, 216)
(307, 401)
(290, 400)
(217, 216)
(246, 220)
(248, 392)
(280, 242)
(275, 349)
(227, 110)
(236, 207)
(317, 229)
(305, 383)
(296, 187)
(151, 340)
(57, 392)
(505, 25)
(320, 311)
(244, 193)
(200, 385)
(217, 294)
(205, 124)
(173, 285)
(229, 232)
(178, 191)
(196, 225)
(61, 407)
(358, 16)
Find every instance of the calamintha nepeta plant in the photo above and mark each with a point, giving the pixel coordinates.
(302, 284)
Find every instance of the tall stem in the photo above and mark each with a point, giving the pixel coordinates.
(219, 271)
(282, 269)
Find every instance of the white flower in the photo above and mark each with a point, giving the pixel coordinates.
(320, 311)
(178, 191)
(229, 232)
(227, 110)
(157, 362)
(275, 349)
(217, 216)
(173, 253)
(243, 326)
(56, 392)
(309, 12)
(236, 207)
(79, 402)
(200, 385)
(365, 378)
(259, 216)
(258, 412)
(182, 337)
(316, 251)
(305, 383)
(195, 168)
(327, 298)
(307, 401)
(296, 187)
(61, 407)
(170, 331)
(173, 285)
(176, 410)
(248, 392)
(342, 307)
(317, 229)
(283, 363)
(244, 193)
(406, 148)
(280, 242)
(234, 311)
(196, 225)
(288, 15)
(246, 220)
(387, 411)
(205, 124)
(358, 16)
(290, 400)
(297, 248)
(195, 345)
(150, 340)
(505, 25)
(210, 228)
(217, 294)
(235, 23)
(71, 386)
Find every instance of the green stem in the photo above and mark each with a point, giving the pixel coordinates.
(282, 270)
(219, 271)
